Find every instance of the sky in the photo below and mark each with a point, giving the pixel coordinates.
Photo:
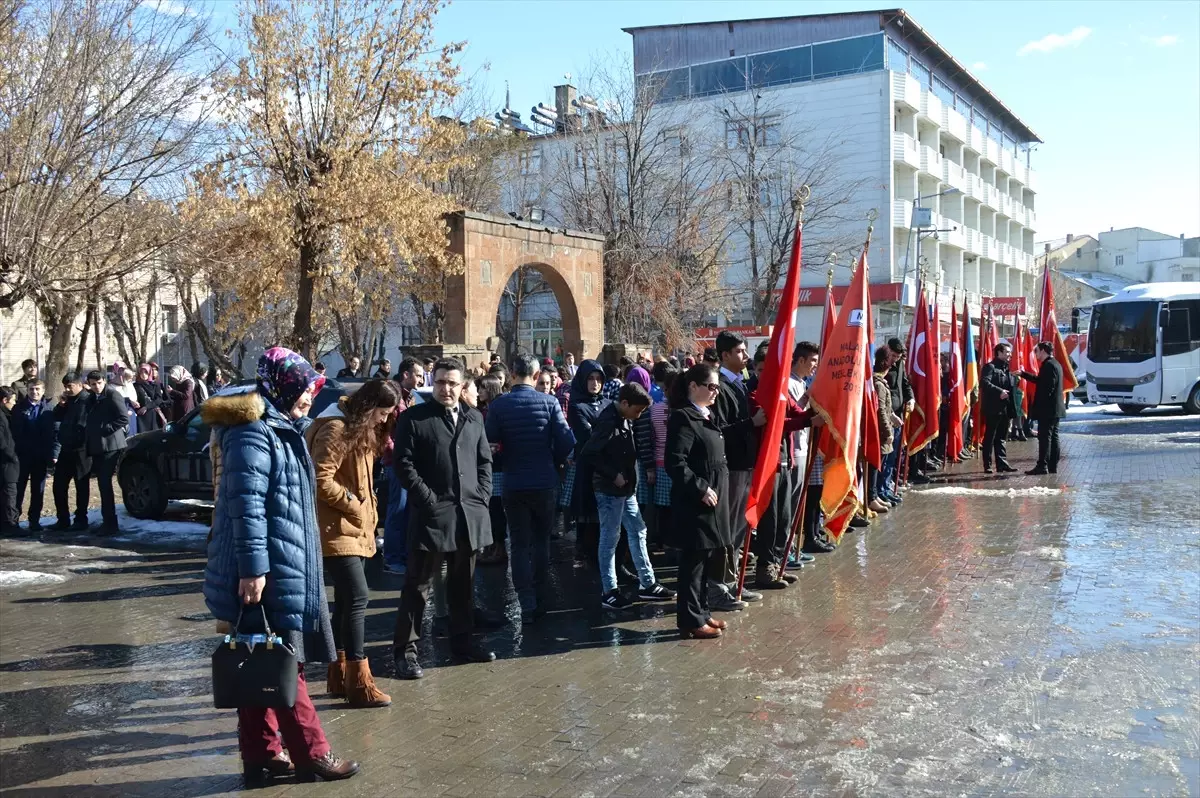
(1112, 88)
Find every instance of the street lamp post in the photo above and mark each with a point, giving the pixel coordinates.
(921, 225)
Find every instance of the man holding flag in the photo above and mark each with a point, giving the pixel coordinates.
(1047, 408)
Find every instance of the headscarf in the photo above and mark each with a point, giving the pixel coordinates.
(178, 374)
(144, 372)
(640, 376)
(283, 376)
(579, 391)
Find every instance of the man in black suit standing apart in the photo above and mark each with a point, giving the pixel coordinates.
(1047, 408)
(107, 425)
(443, 460)
(999, 398)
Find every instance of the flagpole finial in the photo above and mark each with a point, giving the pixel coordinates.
(872, 215)
(799, 199)
(829, 279)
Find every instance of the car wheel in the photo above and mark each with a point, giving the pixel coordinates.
(1130, 410)
(143, 491)
(1193, 403)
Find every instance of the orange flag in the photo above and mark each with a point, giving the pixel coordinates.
(958, 397)
(837, 395)
(1049, 332)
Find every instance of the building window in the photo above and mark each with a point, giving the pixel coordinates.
(718, 77)
(1120, 260)
(897, 57)
(849, 56)
(920, 72)
(781, 66)
(767, 132)
(170, 319)
(530, 162)
(1187, 277)
(676, 141)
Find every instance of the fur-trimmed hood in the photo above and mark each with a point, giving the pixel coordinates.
(233, 410)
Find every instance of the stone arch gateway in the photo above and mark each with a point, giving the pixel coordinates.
(493, 247)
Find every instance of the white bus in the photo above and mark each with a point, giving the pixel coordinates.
(1144, 347)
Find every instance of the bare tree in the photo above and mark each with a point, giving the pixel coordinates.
(766, 154)
(102, 103)
(627, 171)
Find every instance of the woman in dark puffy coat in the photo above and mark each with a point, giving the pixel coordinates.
(265, 549)
(586, 406)
(695, 461)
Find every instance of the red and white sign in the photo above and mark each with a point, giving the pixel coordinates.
(1004, 305)
(745, 330)
(879, 292)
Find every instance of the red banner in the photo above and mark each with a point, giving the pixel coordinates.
(958, 398)
(1049, 332)
(924, 372)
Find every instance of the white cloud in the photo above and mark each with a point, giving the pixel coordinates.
(979, 66)
(172, 8)
(1166, 40)
(1056, 41)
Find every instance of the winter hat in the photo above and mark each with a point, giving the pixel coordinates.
(283, 376)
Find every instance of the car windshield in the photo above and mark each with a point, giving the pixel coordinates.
(1123, 332)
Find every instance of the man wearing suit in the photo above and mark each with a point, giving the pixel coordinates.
(107, 422)
(1047, 408)
(740, 430)
(443, 460)
(998, 395)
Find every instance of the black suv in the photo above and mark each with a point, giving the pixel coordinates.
(173, 463)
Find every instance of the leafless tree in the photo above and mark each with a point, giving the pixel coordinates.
(767, 153)
(102, 104)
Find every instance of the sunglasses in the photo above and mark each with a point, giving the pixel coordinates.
(711, 386)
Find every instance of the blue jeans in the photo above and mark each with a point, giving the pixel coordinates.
(530, 515)
(887, 474)
(395, 522)
(615, 512)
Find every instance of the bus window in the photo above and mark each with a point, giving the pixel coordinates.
(1123, 332)
(1177, 334)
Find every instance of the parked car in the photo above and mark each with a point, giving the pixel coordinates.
(173, 464)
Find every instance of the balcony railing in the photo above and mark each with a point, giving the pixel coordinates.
(931, 161)
(904, 149)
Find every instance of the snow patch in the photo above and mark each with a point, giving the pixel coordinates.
(954, 490)
(27, 578)
(173, 534)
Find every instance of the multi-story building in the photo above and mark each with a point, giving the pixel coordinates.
(907, 124)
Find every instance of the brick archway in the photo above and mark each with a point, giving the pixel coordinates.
(493, 247)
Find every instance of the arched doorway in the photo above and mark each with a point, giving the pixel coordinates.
(494, 248)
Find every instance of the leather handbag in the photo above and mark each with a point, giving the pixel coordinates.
(254, 670)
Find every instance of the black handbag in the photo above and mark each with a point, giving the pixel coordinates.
(254, 670)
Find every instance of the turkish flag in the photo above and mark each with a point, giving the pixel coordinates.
(772, 391)
(958, 397)
(1032, 366)
(828, 320)
(1049, 332)
(924, 372)
(837, 395)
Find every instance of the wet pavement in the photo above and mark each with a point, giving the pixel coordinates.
(995, 635)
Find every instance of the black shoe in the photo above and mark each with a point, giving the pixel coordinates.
(1006, 468)
(527, 617)
(750, 595)
(61, 526)
(614, 601)
(656, 592)
(1037, 472)
(1053, 470)
(35, 526)
(987, 469)
(473, 653)
(408, 667)
(487, 620)
(723, 602)
(919, 479)
(80, 526)
(818, 545)
(105, 529)
(858, 522)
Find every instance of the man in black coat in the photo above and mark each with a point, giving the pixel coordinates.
(73, 464)
(1047, 408)
(9, 465)
(740, 429)
(107, 423)
(36, 434)
(443, 460)
(999, 407)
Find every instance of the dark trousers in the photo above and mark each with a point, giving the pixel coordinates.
(72, 467)
(104, 466)
(499, 521)
(33, 475)
(350, 596)
(9, 509)
(812, 513)
(530, 515)
(259, 730)
(1048, 443)
(995, 433)
(725, 569)
(460, 595)
(776, 522)
(691, 600)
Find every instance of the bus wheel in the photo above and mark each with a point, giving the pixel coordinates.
(1193, 403)
(1131, 410)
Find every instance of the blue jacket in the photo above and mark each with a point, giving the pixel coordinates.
(35, 431)
(265, 520)
(533, 435)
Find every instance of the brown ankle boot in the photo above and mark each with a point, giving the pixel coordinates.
(335, 680)
(361, 691)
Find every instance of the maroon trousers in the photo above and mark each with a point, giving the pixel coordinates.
(259, 730)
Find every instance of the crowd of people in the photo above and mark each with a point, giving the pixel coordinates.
(647, 462)
(81, 434)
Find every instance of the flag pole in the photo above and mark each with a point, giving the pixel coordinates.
(798, 200)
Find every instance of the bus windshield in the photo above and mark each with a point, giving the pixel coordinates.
(1123, 332)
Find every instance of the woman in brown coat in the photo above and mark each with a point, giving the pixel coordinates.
(344, 441)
